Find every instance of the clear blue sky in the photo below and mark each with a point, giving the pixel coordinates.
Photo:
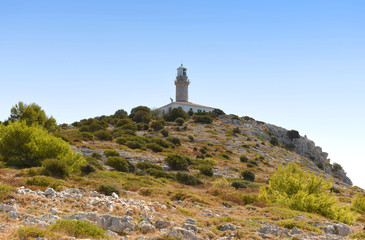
(296, 64)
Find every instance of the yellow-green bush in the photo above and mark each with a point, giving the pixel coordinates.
(359, 203)
(78, 229)
(30, 233)
(4, 190)
(293, 187)
(27, 146)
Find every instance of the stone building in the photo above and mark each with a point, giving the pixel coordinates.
(182, 95)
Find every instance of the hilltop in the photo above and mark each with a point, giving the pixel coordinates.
(197, 176)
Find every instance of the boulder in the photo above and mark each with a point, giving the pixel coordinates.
(121, 225)
(161, 224)
(13, 215)
(181, 233)
(146, 227)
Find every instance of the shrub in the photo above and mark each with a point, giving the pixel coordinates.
(108, 189)
(78, 229)
(179, 121)
(28, 232)
(145, 166)
(165, 133)
(174, 140)
(222, 183)
(292, 134)
(87, 169)
(4, 190)
(176, 162)
(204, 119)
(206, 170)
(27, 146)
(274, 141)
(236, 130)
(359, 203)
(191, 138)
(141, 114)
(239, 184)
(154, 147)
(103, 135)
(87, 135)
(157, 173)
(119, 164)
(225, 156)
(142, 126)
(293, 187)
(134, 145)
(175, 113)
(44, 181)
(96, 155)
(124, 121)
(157, 126)
(217, 112)
(248, 175)
(121, 113)
(111, 153)
(253, 162)
(188, 179)
(94, 162)
(55, 168)
(163, 143)
(243, 159)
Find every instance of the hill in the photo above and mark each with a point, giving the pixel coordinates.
(209, 176)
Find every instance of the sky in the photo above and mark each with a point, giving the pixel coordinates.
(295, 64)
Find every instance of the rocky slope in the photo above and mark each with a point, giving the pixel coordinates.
(159, 208)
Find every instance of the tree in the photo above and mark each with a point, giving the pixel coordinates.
(32, 114)
(27, 146)
(120, 114)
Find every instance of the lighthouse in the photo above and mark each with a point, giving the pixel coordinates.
(182, 84)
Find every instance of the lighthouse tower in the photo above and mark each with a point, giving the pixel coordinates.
(182, 83)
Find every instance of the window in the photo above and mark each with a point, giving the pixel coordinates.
(199, 110)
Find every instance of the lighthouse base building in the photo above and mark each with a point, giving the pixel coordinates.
(182, 96)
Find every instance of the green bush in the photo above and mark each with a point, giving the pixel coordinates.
(206, 170)
(27, 146)
(187, 179)
(179, 121)
(239, 184)
(145, 166)
(87, 169)
(142, 126)
(236, 130)
(44, 181)
(164, 132)
(96, 155)
(359, 203)
(175, 113)
(243, 159)
(87, 135)
(293, 187)
(134, 145)
(163, 143)
(4, 190)
(111, 153)
(218, 112)
(94, 162)
(55, 168)
(29, 232)
(274, 141)
(204, 119)
(108, 189)
(119, 164)
(174, 140)
(154, 147)
(191, 138)
(248, 175)
(141, 114)
(157, 126)
(103, 135)
(157, 173)
(78, 229)
(176, 162)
